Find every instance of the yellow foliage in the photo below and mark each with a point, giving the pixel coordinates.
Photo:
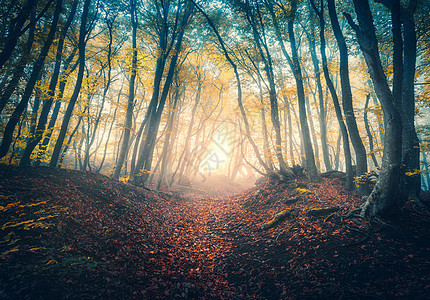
(413, 172)
(303, 192)
(124, 179)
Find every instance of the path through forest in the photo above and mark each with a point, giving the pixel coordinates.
(72, 234)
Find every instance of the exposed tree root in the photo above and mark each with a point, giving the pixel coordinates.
(278, 218)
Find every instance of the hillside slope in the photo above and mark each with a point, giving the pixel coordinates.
(71, 234)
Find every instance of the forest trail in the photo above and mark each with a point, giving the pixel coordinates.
(72, 234)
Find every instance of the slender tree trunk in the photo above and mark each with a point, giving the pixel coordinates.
(290, 130)
(322, 111)
(145, 160)
(38, 65)
(15, 30)
(274, 111)
(266, 146)
(239, 92)
(45, 142)
(310, 166)
(342, 126)
(25, 159)
(369, 133)
(129, 114)
(74, 97)
(313, 133)
(105, 90)
(165, 156)
(19, 71)
(348, 109)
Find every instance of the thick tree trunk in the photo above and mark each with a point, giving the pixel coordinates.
(410, 143)
(386, 196)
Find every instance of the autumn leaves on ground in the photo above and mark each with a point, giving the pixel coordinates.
(73, 234)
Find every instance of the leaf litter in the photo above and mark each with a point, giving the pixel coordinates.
(73, 234)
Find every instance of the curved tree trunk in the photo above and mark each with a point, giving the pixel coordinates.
(239, 91)
(348, 109)
(386, 196)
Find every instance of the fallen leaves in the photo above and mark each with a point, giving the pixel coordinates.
(114, 240)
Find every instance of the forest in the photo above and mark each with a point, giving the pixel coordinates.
(233, 149)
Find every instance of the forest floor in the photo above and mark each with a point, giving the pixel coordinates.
(71, 234)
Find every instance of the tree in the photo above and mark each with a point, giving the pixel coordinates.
(158, 101)
(38, 65)
(130, 104)
(81, 47)
(293, 61)
(387, 198)
(348, 109)
(333, 93)
(35, 139)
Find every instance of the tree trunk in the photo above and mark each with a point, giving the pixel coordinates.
(145, 160)
(386, 196)
(322, 112)
(74, 97)
(266, 146)
(38, 65)
(330, 85)
(268, 67)
(105, 90)
(25, 159)
(310, 166)
(239, 91)
(348, 109)
(18, 72)
(369, 132)
(44, 144)
(130, 104)
(15, 30)
(411, 149)
(165, 156)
